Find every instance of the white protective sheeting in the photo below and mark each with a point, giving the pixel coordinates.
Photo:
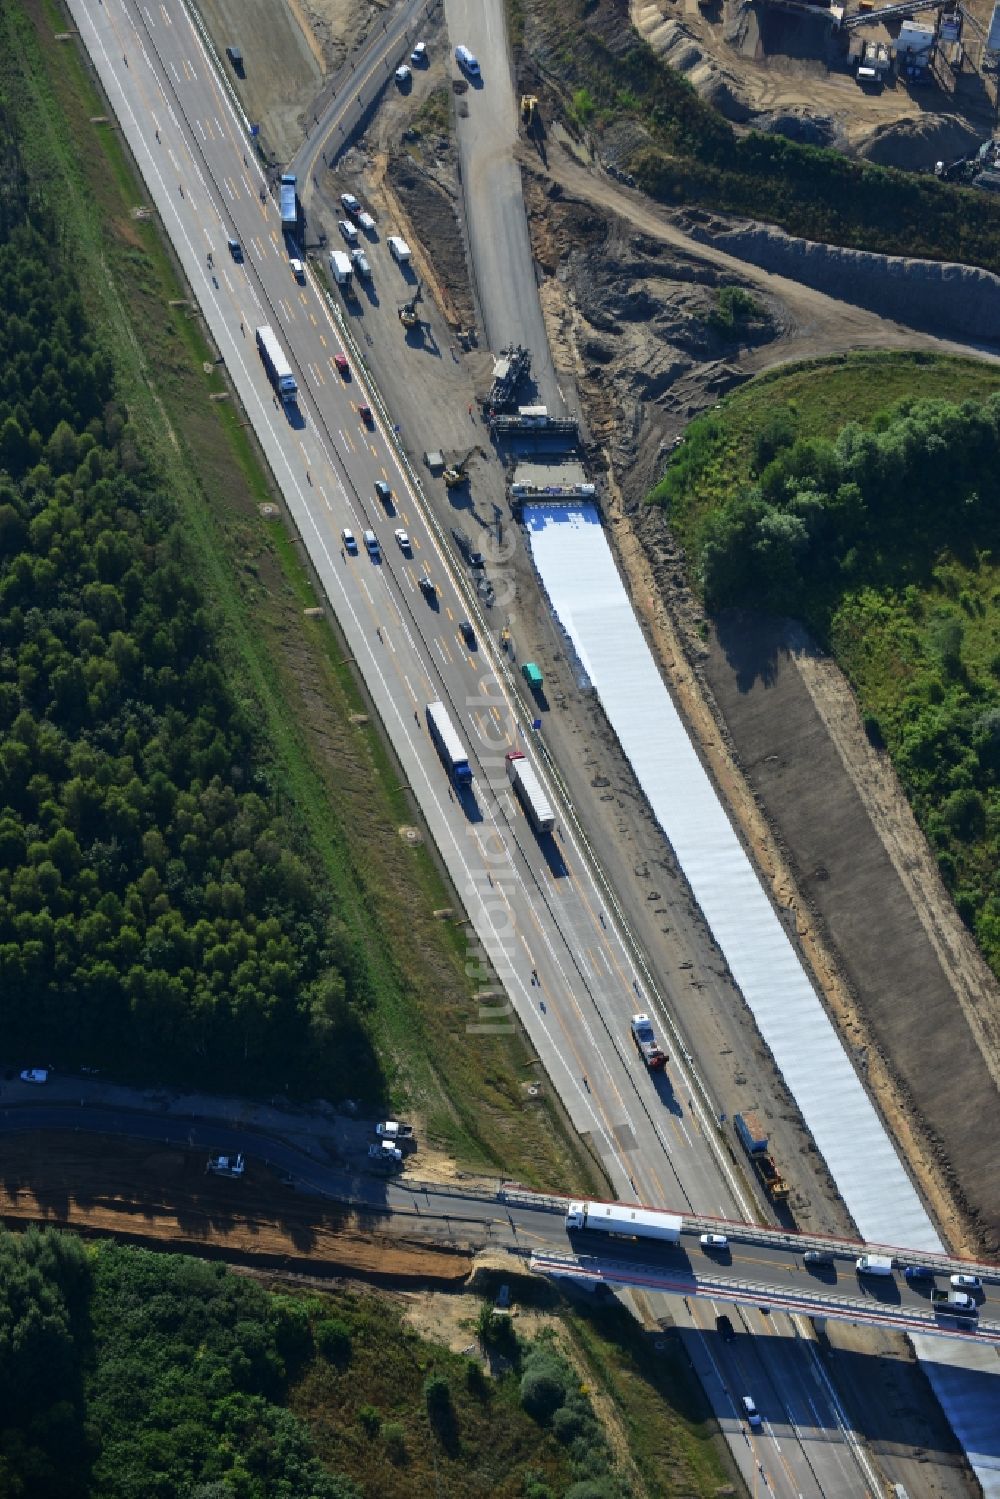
(581, 579)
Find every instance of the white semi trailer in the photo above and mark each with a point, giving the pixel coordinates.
(521, 774)
(625, 1221)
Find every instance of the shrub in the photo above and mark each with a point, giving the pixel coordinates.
(333, 1339)
(543, 1390)
(567, 1424)
(395, 1443)
(369, 1420)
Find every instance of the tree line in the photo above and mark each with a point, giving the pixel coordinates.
(126, 1374)
(157, 907)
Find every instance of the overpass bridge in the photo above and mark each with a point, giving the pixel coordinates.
(767, 1267)
(760, 1266)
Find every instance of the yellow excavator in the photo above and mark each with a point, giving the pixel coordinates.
(408, 315)
(455, 474)
(529, 107)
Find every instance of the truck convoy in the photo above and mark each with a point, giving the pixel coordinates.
(646, 1043)
(289, 202)
(279, 371)
(753, 1138)
(625, 1221)
(521, 774)
(448, 744)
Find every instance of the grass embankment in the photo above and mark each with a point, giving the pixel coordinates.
(326, 761)
(609, 76)
(820, 396)
(654, 1426)
(883, 538)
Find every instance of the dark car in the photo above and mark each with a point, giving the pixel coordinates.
(235, 250)
(365, 413)
(384, 493)
(725, 1328)
(236, 58)
(918, 1272)
(467, 633)
(818, 1257)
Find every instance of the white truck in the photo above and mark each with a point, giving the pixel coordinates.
(226, 1165)
(393, 1129)
(275, 362)
(646, 1043)
(384, 1150)
(874, 1264)
(624, 1221)
(399, 250)
(521, 774)
(342, 271)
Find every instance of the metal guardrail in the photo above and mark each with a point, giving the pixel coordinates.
(816, 1304)
(776, 1238)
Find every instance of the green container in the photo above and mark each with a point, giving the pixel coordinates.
(532, 676)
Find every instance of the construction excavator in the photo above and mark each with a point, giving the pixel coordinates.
(529, 106)
(408, 315)
(456, 474)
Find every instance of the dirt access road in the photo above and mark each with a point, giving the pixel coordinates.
(161, 1198)
(820, 324)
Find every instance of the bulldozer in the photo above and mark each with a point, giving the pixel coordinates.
(455, 474)
(408, 314)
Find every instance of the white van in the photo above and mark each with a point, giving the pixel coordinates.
(874, 1264)
(467, 62)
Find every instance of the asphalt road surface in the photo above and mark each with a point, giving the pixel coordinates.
(537, 909)
(345, 100)
(505, 284)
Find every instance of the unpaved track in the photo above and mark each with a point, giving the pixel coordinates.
(160, 1197)
(821, 324)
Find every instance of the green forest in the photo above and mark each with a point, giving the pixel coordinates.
(155, 906)
(127, 1374)
(884, 538)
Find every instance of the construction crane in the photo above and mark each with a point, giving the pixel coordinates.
(408, 315)
(455, 473)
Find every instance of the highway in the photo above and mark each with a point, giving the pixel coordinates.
(537, 911)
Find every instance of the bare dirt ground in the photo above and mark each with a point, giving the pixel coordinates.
(160, 1197)
(792, 74)
(863, 877)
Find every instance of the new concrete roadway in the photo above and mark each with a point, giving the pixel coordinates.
(536, 908)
